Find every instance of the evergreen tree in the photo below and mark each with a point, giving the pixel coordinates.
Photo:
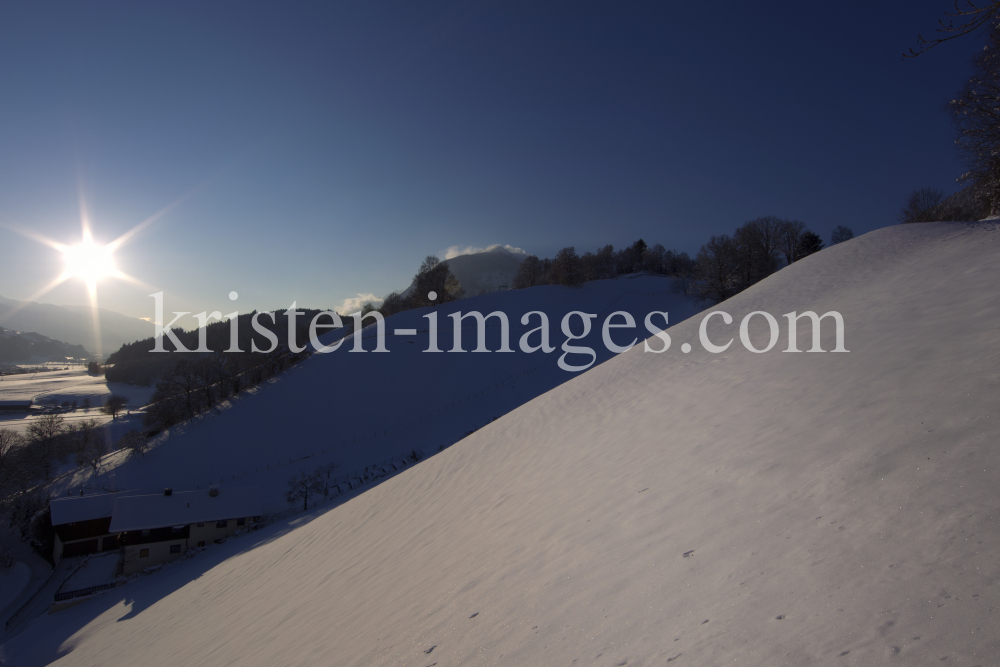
(566, 268)
(808, 244)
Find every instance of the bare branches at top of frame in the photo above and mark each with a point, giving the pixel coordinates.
(971, 17)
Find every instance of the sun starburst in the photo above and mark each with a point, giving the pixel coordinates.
(87, 261)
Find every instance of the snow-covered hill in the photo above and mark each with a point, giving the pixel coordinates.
(357, 410)
(688, 509)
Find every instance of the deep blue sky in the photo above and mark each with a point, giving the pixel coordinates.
(330, 147)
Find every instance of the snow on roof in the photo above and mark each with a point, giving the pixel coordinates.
(83, 508)
(185, 507)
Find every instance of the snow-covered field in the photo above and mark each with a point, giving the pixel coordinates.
(65, 385)
(688, 509)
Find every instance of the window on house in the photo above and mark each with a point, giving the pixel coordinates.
(175, 548)
(241, 522)
(143, 553)
(222, 524)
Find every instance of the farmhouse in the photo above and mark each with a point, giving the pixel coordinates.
(159, 528)
(82, 525)
(150, 529)
(14, 406)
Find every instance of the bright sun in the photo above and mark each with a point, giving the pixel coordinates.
(89, 261)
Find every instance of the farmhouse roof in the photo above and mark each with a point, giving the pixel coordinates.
(83, 508)
(185, 507)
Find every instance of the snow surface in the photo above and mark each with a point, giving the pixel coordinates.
(688, 509)
(72, 385)
(83, 508)
(183, 508)
(12, 582)
(94, 570)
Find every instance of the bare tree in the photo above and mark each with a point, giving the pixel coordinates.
(435, 276)
(683, 269)
(841, 234)
(114, 405)
(654, 260)
(134, 442)
(393, 303)
(788, 239)
(566, 268)
(300, 486)
(324, 471)
(10, 440)
(757, 244)
(176, 393)
(207, 372)
(718, 269)
(44, 435)
(89, 445)
(968, 204)
(920, 205)
(976, 113)
(971, 16)
(629, 260)
(530, 273)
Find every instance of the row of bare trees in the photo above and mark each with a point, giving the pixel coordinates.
(303, 485)
(568, 268)
(193, 385)
(727, 265)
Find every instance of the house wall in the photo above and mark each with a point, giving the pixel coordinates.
(209, 531)
(196, 535)
(159, 552)
(105, 542)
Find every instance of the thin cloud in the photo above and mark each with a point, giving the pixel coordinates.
(455, 251)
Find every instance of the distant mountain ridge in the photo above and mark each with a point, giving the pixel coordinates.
(73, 324)
(28, 346)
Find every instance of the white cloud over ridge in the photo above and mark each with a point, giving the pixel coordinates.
(353, 304)
(455, 251)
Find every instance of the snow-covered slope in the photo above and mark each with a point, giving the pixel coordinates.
(357, 410)
(688, 509)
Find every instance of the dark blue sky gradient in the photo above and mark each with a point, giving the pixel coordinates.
(331, 146)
